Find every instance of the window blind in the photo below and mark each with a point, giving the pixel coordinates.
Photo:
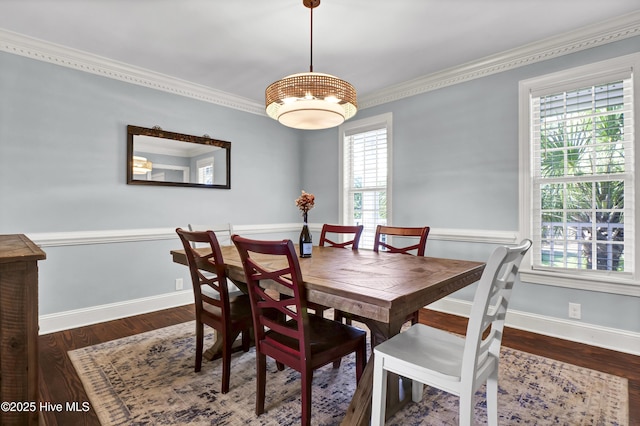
(583, 177)
(365, 181)
(205, 170)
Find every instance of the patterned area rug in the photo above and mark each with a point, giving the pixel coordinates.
(148, 379)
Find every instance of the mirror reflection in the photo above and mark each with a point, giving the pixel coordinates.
(157, 157)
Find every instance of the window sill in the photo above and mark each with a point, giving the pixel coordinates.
(628, 287)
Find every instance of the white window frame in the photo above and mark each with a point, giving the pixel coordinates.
(358, 126)
(204, 163)
(600, 72)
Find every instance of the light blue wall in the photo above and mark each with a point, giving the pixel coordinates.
(62, 168)
(455, 165)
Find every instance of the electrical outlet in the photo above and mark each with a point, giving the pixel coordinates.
(179, 284)
(574, 310)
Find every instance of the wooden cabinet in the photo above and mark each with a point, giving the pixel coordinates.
(19, 329)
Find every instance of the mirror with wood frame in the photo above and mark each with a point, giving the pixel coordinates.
(158, 157)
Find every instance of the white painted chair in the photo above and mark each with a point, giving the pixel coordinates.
(223, 232)
(456, 364)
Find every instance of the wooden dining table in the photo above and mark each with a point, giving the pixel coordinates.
(381, 288)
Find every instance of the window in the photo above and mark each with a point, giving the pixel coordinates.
(365, 190)
(205, 170)
(578, 180)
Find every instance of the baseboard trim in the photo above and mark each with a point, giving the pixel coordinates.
(603, 337)
(96, 314)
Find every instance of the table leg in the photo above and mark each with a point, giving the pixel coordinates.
(359, 411)
(215, 351)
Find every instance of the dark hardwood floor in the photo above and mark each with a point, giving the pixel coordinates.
(59, 382)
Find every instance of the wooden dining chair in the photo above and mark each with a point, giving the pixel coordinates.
(228, 315)
(328, 232)
(283, 328)
(337, 232)
(381, 243)
(453, 363)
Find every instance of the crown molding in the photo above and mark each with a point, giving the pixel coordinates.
(585, 38)
(605, 32)
(45, 51)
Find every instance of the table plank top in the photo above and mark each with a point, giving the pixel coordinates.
(379, 286)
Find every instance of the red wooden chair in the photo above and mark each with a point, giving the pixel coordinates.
(229, 315)
(301, 341)
(380, 240)
(381, 243)
(325, 241)
(340, 230)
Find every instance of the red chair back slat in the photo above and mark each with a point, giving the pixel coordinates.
(420, 233)
(268, 308)
(356, 230)
(215, 307)
(205, 259)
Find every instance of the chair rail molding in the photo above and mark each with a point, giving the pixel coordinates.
(585, 38)
(77, 238)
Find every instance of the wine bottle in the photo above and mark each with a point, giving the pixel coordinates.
(305, 239)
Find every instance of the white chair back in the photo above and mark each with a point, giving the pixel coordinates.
(489, 310)
(223, 231)
(455, 364)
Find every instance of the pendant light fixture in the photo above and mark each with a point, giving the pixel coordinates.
(141, 165)
(311, 100)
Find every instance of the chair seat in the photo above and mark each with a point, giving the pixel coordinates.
(436, 352)
(325, 335)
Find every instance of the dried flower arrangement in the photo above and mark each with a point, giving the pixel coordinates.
(305, 202)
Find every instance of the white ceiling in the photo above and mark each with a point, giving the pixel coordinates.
(240, 47)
